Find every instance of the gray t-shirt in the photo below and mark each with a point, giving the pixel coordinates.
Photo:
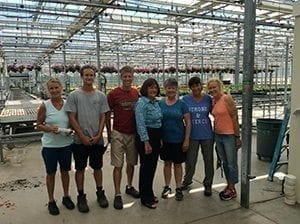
(89, 108)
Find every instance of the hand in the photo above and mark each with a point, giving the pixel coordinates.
(54, 129)
(148, 148)
(85, 140)
(108, 137)
(94, 140)
(238, 142)
(185, 145)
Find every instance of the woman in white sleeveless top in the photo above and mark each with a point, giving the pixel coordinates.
(56, 143)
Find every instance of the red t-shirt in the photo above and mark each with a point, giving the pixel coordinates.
(122, 103)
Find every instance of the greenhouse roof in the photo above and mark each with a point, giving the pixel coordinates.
(141, 33)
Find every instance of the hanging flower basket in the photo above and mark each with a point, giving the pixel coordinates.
(21, 68)
(77, 68)
(161, 70)
(38, 68)
(29, 67)
(12, 68)
(146, 70)
(138, 70)
(172, 70)
(189, 70)
(196, 69)
(153, 70)
(106, 69)
(57, 68)
(182, 69)
(95, 68)
(70, 68)
(206, 69)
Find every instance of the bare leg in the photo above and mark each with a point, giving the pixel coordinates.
(167, 172)
(130, 172)
(50, 182)
(117, 177)
(65, 180)
(98, 177)
(79, 178)
(178, 174)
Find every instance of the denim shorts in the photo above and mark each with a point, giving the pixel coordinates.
(83, 153)
(61, 155)
(227, 151)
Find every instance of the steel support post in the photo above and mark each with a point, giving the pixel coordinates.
(247, 98)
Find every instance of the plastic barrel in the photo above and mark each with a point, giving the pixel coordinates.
(267, 134)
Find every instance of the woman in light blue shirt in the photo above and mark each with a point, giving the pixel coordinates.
(148, 122)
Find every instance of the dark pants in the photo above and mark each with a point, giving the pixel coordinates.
(148, 164)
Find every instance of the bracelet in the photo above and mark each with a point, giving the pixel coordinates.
(237, 136)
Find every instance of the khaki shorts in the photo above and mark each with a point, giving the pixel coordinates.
(123, 144)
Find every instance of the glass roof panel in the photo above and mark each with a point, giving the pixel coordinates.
(137, 29)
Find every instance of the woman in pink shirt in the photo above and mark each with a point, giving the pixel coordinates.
(227, 135)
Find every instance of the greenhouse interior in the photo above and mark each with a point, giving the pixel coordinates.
(40, 39)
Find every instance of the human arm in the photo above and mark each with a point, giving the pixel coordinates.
(40, 123)
(232, 110)
(108, 125)
(141, 125)
(95, 139)
(110, 101)
(75, 125)
(187, 121)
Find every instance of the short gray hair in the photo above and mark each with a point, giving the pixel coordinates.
(170, 82)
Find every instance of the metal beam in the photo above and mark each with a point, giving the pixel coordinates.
(247, 98)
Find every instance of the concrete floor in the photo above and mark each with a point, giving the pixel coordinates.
(23, 197)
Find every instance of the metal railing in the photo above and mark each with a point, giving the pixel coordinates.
(12, 139)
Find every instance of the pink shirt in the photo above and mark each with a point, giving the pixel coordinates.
(223, 122)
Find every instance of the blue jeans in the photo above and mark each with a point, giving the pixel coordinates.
(226, 148)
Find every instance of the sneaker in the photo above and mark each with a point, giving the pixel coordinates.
(101, 198)
(82, 204)
(118, 203)
(68, 203)
(132, 191)
(186, 186)
(166, 191)
(207, 191)
(227, 194)
(178, 194)
(52, 208)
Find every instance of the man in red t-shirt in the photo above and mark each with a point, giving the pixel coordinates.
(122, 101)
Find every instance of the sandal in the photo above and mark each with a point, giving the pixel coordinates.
(151, 205)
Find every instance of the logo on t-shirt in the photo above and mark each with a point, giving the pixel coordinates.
(127, 104)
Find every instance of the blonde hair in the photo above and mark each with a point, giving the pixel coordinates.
(218, 81)
(53, 80)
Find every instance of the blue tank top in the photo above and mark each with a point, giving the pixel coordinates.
(58, 118)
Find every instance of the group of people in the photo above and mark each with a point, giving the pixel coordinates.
(142, 126)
